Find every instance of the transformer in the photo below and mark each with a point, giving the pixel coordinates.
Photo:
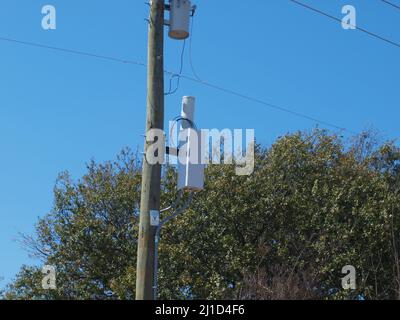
(179, 19)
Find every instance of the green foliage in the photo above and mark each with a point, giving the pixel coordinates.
(313, 205)
(90, 235)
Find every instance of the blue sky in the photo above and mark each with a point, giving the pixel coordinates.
(58, 111)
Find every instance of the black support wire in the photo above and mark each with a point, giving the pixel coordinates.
(177, 75)
(190, 51)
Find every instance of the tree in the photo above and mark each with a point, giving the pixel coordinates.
(313, 205)
(90, 235)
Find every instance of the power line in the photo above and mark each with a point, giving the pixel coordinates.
(202, 82)
(76, 52)
(270, 105)
(391, 4)
(377, 36)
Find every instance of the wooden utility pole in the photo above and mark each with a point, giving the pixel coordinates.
(151, 174)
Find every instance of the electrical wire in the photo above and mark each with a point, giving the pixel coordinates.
(391, 4)
(177, 75)
(267, 104)
(71, 51)
(190, 78)
(175, 121)
(372, 34)
(190, 51)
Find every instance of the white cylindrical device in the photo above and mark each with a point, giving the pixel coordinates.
(179, 21)
(190, 167)
(188, 110)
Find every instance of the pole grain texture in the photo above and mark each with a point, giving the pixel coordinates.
(151, 174)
